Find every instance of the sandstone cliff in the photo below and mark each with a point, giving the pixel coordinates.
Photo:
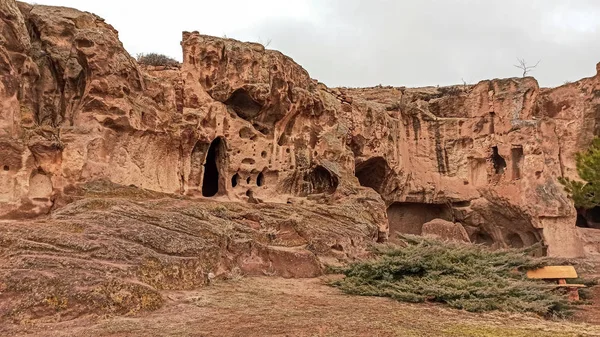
(243, 160)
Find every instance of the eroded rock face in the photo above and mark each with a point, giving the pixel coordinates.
(238, 159)
(239, 123)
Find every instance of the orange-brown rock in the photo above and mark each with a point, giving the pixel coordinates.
(238, 159)
(445, 230)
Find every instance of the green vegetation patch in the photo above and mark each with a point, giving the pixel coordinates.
(469, 277)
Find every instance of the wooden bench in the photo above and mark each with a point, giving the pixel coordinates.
(559, 274)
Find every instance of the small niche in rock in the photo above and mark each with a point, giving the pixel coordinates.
(249, 161)
(514, 241)
(260, 180)
(248, 180)
(249, 193)
(482, 238)
(243, 105)
(247, 133)
(263, 154)
(337, 247)
(235, 180)
(5, 168)
(464, 203)
(498, 161)
(516, 154)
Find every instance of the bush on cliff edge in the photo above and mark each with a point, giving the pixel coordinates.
(462, 276)
(154, 59)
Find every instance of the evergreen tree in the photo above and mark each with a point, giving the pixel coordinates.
(586, 194)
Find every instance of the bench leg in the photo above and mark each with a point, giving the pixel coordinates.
(573, 294)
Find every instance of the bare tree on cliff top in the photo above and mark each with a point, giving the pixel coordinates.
(523, 66)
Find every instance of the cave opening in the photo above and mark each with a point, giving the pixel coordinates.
(498, 161)
(514, 240)
(245, 107)
(214, 159)
(260, 180)
(409, 217)
(516, 154)
(235, 180)
(588, 218)
(321, 181)
(482, 238)
(372, 173)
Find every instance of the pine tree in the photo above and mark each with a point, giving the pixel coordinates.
(586, 194)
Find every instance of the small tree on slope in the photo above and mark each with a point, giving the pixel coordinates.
(586, 194)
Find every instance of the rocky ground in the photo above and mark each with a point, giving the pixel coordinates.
(122, 261)
(113, 249)
(270, 306)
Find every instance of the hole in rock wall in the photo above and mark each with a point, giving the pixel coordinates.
(482, 238)
(235, 180)
(215, 162)
(514, 240)
(498, 162)
(409, 217)
(241, 102)
(321, 181)
(516, 154)
(260, 180)
(588, 218)
(372, 173)
(581, 221)
(5, 168)
(492, 115)
(529, 238)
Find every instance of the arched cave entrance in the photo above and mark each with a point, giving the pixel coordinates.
(482, 237)
(372, 173)
(498, 161)
(409, 217)
(212, 181)
(514, 240)
(588, 218)
(321, 181)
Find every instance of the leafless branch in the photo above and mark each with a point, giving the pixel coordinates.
(265, 43)
(523, 66)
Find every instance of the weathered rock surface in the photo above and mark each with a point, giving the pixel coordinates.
(114, 249)
(445, 230)
(323, 171)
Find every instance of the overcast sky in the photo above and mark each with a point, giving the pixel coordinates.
(389, 42)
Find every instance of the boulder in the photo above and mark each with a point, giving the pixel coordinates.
(445, 230)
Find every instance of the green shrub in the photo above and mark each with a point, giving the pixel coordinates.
(586, 194)
(154, 59)
(462, 276)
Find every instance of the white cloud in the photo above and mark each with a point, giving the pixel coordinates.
(362, 43)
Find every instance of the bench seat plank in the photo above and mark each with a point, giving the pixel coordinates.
(553, 272)
(570, 285)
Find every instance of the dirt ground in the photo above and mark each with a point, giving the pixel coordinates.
(263, 306)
